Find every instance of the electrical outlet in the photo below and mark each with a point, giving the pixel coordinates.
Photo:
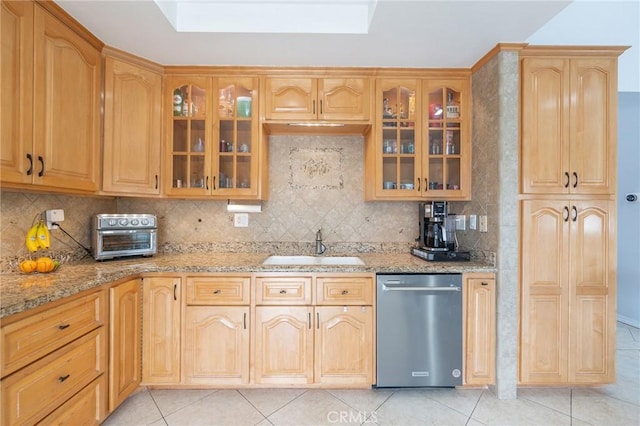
(53, 216)
(473, 221)
(482, 222)
(461, 224)
(241, 220)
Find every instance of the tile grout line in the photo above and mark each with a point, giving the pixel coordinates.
(474, 408)
(158, 407)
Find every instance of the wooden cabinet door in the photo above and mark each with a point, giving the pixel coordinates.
(345, 99)
(291, 98)
(162, 330)
(593, 125)
(544, 306)
(545, 139)
(67, 84)
(125, 341)
(284, 345)
(592, 292)
(344, 345)
(16, 121)
(216, 345)
(480, 329)
(132, 127)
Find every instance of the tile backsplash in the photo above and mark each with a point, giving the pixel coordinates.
(315, 182)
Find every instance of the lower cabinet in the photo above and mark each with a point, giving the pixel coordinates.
(161, 325)
(304, 343)
(124, 340)
(216, 344)
(480, 328)
(54, 363)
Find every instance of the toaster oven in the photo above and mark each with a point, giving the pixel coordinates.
(124, 235)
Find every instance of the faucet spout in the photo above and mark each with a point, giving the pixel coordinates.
(320, 248)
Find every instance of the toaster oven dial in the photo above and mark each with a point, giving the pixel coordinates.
(112, 222)
(123, 222)
(145, 222)
(134, 222)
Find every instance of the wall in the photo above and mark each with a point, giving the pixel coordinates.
(628, 276)
(329, 195)
(495, 191)
(18, 210)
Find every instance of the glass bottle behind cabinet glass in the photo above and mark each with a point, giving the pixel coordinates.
(189, 142)
(235, 135)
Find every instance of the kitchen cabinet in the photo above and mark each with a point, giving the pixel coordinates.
(214, 146)
(330, 343)
(162, 329)
(132, 125)
(301, 98)
(567, 215)
(568, 296)
(421, 145)
(54, 358)
(217, 330)
(479, 328)
(568, 125)
(51, 91)
(125, 340)
(17, 92)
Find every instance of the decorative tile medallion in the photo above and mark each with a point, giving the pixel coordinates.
(316, 168)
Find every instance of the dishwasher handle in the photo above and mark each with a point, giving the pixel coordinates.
(385, 287)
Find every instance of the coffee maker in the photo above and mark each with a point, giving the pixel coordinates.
(437, 239)
(433, 234)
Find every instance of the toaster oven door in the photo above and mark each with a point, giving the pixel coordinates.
(110, 244)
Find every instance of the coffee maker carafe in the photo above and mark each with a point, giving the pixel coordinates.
(433, 226)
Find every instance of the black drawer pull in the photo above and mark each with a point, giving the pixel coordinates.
(63, 326)
(345, 291)
(63, 378)
(283, 291)
(483, 283)
(41, 160)
(218, 291)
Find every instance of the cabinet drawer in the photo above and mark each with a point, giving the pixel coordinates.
(283, 291)
(218, 290)
(87, 407)
(35, 336)
(43, 386)
(344, 291)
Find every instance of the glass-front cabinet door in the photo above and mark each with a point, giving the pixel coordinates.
(188, 144)
(446, 159)
(236, 137)
(397, 139)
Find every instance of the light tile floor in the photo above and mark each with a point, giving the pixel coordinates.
(610, 405)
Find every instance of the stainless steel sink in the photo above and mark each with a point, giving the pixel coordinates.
(313, 260)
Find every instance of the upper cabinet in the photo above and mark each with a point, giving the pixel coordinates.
(213, 142)
(132, 127)
(52, 83)
(568, 125)
(421, 144)
(326, 99)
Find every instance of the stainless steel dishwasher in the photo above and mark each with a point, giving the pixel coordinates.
(419, 330)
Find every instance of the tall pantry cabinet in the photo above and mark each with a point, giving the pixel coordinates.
(567, 215)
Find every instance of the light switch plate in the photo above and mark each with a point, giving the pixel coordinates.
(241, 220)
(461, 224)
(473, 221)
(482, 223)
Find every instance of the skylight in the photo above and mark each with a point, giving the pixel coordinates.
(270, 16)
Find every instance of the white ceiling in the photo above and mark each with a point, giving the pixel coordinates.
(419, 33)
(401, 33)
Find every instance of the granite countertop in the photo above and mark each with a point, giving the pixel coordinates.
(20, 292)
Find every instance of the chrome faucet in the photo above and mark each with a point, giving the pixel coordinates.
(320, 248)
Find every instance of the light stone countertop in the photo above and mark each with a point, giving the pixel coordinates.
(20, 292)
